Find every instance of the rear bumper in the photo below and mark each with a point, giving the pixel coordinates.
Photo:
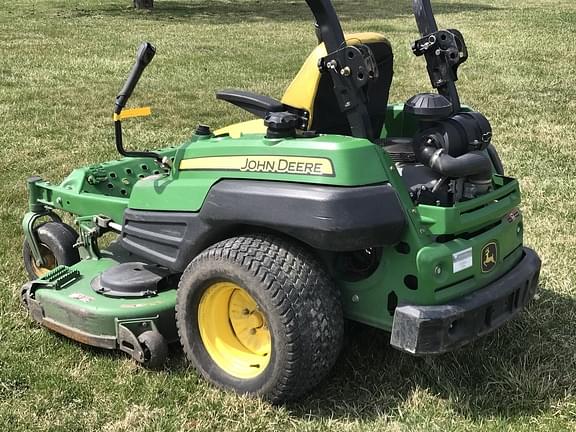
(438, 329)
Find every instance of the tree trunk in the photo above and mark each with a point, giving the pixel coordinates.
(143, 4)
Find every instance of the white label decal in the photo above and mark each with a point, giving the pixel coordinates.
(462, 260)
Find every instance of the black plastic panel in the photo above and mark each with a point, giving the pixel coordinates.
(324, 217)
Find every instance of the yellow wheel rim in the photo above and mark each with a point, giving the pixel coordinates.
(49, 262)
(234, 330)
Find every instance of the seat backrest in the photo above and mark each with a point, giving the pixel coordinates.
(312, 91)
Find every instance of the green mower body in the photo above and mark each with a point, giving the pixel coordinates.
(435, 274)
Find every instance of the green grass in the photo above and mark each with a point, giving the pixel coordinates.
(61, 65)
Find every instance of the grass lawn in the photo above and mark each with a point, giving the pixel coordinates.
(62, 62)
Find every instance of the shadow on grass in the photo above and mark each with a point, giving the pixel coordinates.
(520, 369)
(225, 12)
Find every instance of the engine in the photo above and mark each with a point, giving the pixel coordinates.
(446, 161)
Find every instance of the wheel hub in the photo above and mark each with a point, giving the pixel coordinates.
(234, 330)
(248, 323)
(49, 262)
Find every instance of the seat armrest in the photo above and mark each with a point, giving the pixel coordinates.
(259, 105)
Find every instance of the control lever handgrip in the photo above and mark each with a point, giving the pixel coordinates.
(143, 58)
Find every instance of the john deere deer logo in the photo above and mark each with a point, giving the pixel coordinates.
(489, 257)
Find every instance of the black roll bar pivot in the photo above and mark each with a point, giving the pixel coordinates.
(444, 51)
(350, 68)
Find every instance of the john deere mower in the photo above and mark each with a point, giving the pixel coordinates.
(250, 245)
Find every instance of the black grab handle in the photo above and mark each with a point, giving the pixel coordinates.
(143, 58)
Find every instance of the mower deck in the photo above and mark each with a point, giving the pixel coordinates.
(65, 301)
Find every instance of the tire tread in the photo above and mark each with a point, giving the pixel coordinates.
(304, 297)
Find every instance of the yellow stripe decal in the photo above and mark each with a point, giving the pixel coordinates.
(269, 164)
(133, 112)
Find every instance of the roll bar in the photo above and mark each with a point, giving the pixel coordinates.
(349, 66)
(424, 17)
(444, 50)
(328, 24)
(331, 31)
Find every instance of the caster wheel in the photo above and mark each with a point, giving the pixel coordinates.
(155, 349)
(57, 242)
(260, 315)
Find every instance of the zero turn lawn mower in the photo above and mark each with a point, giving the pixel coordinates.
(251, 244)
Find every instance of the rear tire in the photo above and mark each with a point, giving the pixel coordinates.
(285, 339)
(56, 241)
